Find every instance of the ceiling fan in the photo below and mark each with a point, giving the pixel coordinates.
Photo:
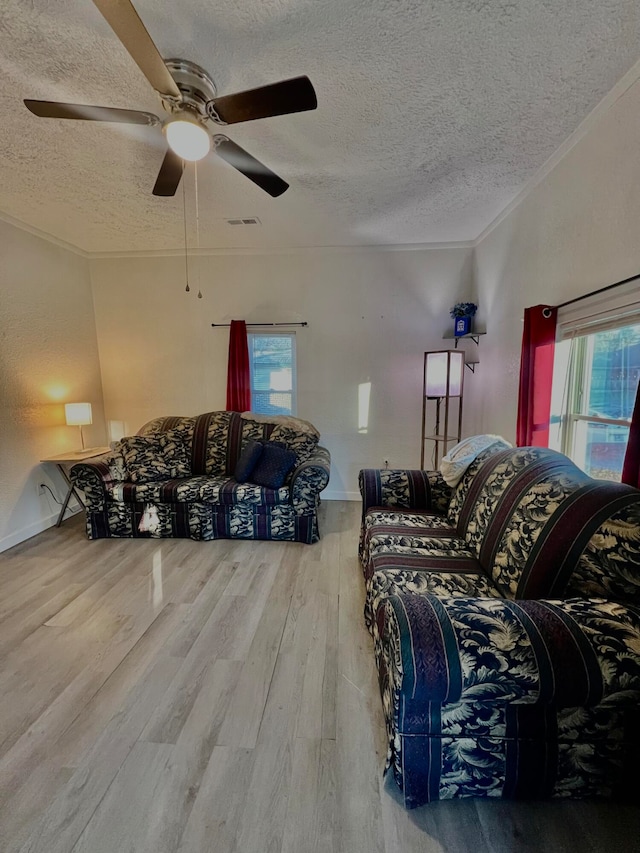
(188, 94)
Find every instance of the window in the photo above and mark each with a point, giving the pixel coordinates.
(272, 363)
(595, 381)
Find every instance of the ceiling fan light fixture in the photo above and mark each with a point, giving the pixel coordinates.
(187, 139)
(188, 94)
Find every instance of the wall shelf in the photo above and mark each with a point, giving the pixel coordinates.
(474, 336)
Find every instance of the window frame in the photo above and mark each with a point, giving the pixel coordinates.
(578, 385)
(294, 367)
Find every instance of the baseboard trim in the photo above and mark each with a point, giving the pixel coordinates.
(32, 529)
(336, 495)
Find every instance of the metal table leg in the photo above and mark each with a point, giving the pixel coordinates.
(70, 491)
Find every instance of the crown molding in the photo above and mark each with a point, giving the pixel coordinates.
(283, 250)
(231, 250)
(43, 235)
(596, 114)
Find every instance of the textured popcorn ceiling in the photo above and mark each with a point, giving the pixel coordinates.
(432, 115)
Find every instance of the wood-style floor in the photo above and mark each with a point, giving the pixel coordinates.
(161, 696)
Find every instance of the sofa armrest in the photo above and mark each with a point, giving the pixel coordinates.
(425, 490)
(308, 480)
(93, 478)
(572, 653)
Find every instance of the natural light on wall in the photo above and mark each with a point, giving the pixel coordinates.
(116, 430)
(364, 395)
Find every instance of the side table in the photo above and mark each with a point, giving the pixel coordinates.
(64, 462)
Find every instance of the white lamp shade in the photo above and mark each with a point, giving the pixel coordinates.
(78, 414)
(444, 369)
(188, 139)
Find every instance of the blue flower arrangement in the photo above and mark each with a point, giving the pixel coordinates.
(463, 309)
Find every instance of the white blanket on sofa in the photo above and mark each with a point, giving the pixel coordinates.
(458, 459)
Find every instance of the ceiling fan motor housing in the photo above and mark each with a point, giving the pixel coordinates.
(196, 87)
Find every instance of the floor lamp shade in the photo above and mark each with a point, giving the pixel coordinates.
(443, 373)
(442, 384)
(78, 414)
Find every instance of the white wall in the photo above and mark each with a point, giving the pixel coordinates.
(578, 230)
(48, 356)
(371, 313)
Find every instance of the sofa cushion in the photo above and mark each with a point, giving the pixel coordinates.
(442, 575)
(452, 575)
(302, 443)
(384, 525)
(414, 518)
(529, 516)
(396, 541)
(230, 493)
(154, 457)
(209, 439)
(165, 491)
(248, 460)
(220, 491)
(610, 565)
(594, 535)
(272, 467)
(461, 491)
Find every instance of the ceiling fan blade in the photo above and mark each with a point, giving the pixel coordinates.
(126, 24)
(249, 166)
(169, 175)
(88, 112)
(277, 99)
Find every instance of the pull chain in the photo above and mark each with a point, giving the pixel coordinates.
(186, 250)
(197, 224)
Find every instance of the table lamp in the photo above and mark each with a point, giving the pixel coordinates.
(78, 414)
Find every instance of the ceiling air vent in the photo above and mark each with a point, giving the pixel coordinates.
(251, 220)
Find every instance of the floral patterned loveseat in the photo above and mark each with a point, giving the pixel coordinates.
(197, 497)
(505, 614)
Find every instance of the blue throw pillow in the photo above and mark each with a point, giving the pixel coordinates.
(247, 461)
(274, 464)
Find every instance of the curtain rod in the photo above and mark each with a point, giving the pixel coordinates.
(221, 325)
(596, 292)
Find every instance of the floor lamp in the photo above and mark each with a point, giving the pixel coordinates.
(443, 381)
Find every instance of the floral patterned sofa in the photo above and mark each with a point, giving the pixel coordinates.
(189, 490)
(505, 614)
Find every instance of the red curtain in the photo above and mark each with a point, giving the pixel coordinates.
(238, 380)
(536, 375)
(631, 465)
